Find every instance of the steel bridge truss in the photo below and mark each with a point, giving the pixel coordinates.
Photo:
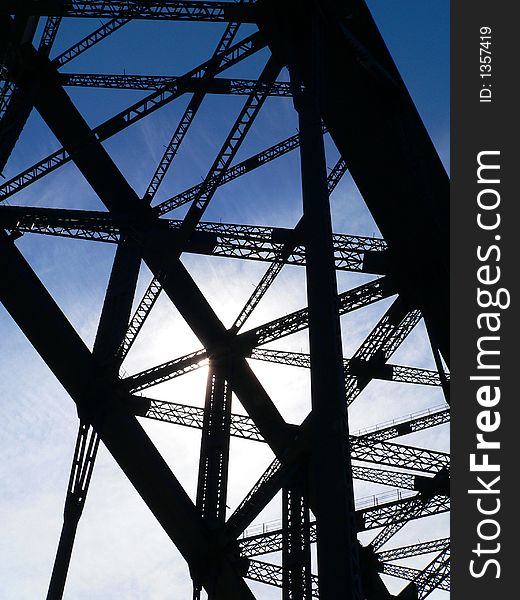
(375, 128)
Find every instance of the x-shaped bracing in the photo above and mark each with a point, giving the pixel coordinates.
(96, 391)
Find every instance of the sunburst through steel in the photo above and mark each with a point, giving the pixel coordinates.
(345, 507)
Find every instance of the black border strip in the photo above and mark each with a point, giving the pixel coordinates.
(485, 119)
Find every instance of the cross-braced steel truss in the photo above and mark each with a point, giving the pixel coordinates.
(327, 60)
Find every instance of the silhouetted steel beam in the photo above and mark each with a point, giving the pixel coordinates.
(346, 302)
(214, 455)
(171, 10)
(410, 574)
(274, 575)
(87, 443)
(331, 469)
(413, 550)
(276, 329)
(98, 400)
(399, 455)
(246, 166)
(239, 51)
(388, 372)
(88, 41)
(219, 85)
(14, 105)
(112, 326)
(401, 511)
(404, 426)
(383, 453)
(191, 110)
(245, 242)
(285, 254)
(435, 575)
(296, 542)
(388, 334)
(377, 129)
(50, 31)
(374, 517)
(188, 225)
(115, 192)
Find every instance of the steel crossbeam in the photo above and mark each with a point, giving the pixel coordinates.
(369, 518)
(413, 550)
(219, 85)
(171, 10)
(274, 575)
(388, 372)
(215, 239)
(131, 115)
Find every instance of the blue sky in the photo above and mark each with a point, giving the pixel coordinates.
(121, 552)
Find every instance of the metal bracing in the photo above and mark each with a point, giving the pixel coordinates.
(405, 425)
(87, 444)
(413, 550)
(190, 112)
(402, 512)
(434, 576)
(171, 10)
(112, 325)
(410, 574)
(239, 51)
(219, 85)
(383, 514)
(296, 541)
(88, 41)
(347, 302)
(389, 333)
(15, 106)
(391, 455)
(313, 461)
(213, 239)
(49, 34)
(399, 455)
(170, 496)
(75, 367)
(276, 329)
(191, 416)
(232, 144)
(144, 307)
(286, 252)
(246, 166)
(437, 572)
(274, 575)
(387, 372)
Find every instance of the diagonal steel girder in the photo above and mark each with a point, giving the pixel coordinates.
(104, 177)
(102, 402)
(99, 170)
(95, 164)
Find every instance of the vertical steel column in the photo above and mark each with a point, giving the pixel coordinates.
(338, 562)
(84, 455)
(214, 451)
(296, 540)
(112, 326)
